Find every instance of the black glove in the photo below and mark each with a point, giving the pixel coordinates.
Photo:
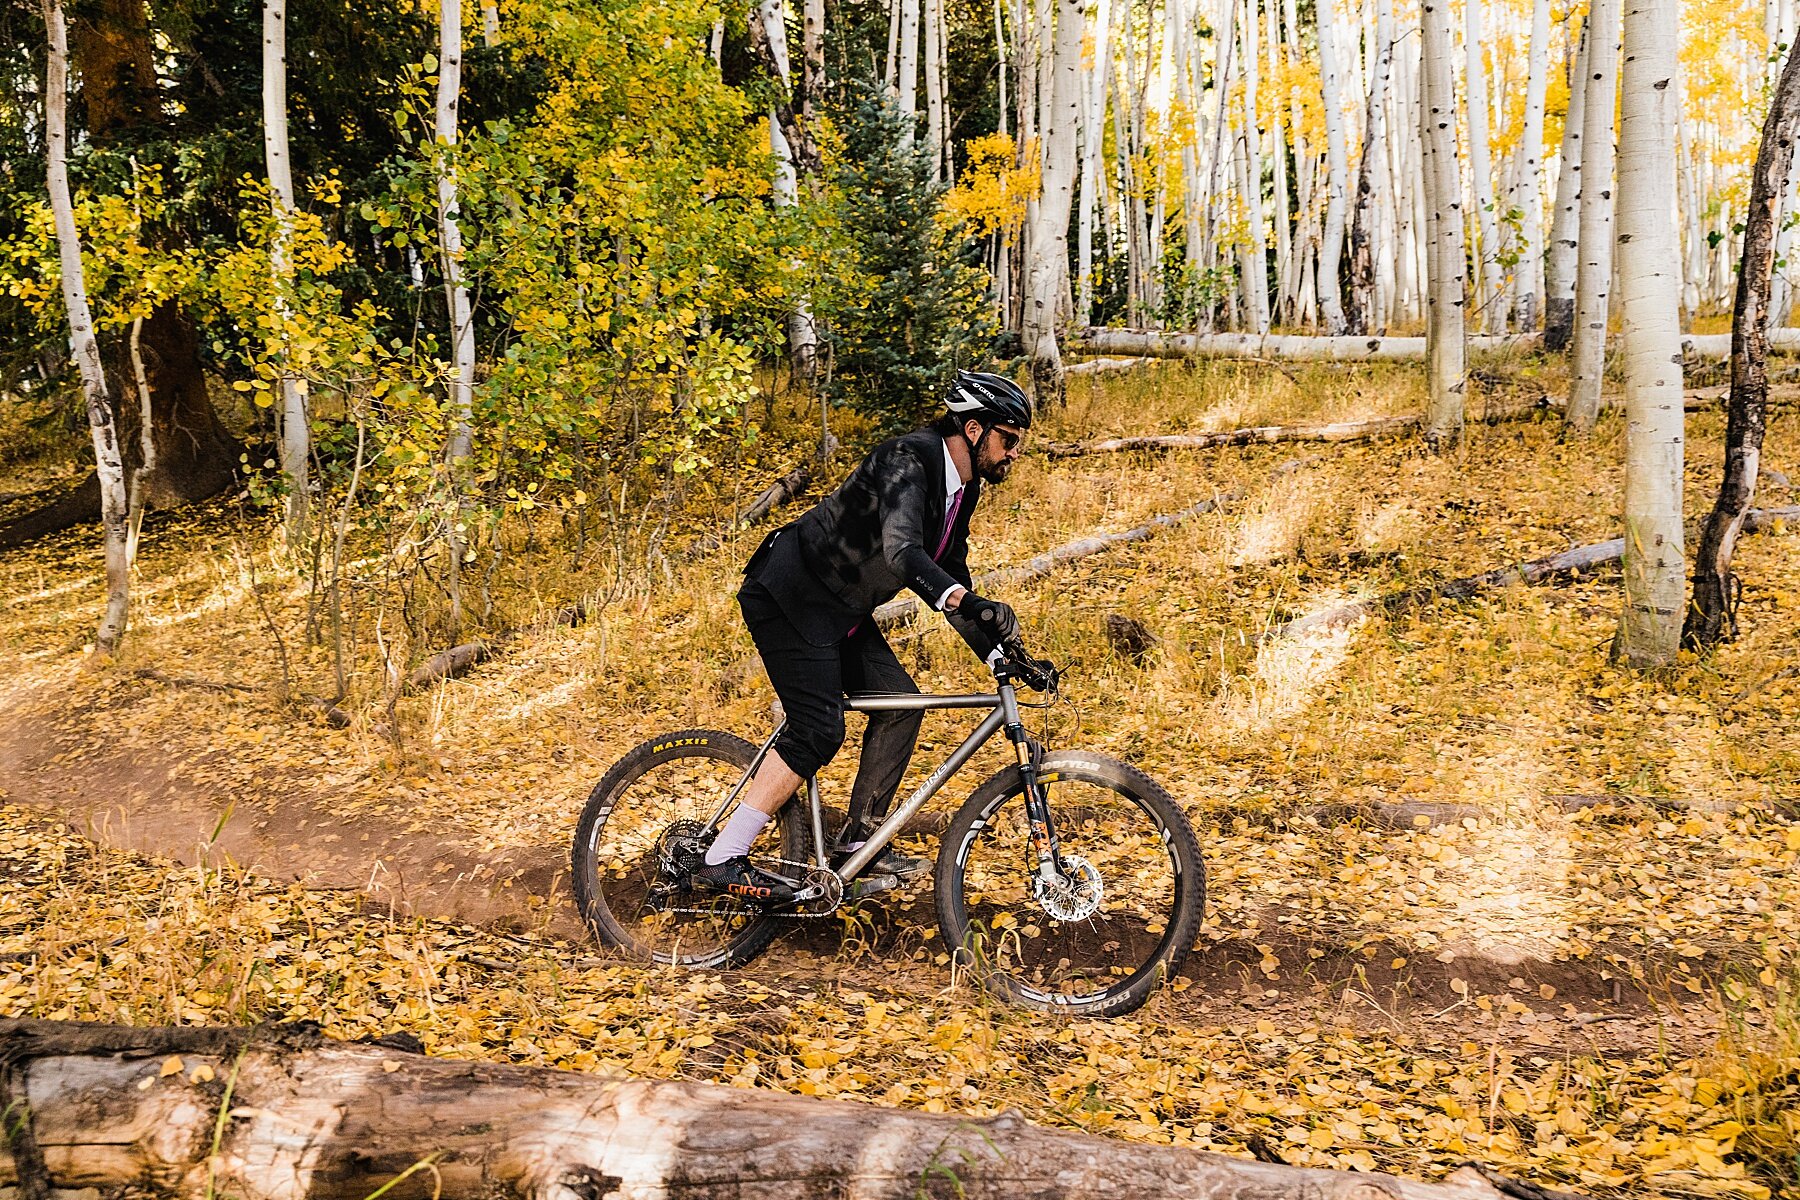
(985, 624)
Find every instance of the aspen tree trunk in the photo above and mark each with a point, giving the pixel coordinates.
(1369, 177)
(1212, 196)
(890, 69)
(1593, 278)
(1337, 185)
(1279, 146)
(812, 69)
(1444, 327)
(803, 338)
(1486, 252)
(456, 293)
(296, 437)
(1559, 262)
(908, 76)
(934, 88)
(1712, 616)
(1649, 286)
(1527, 191)
(1694, 249)
(490, 25)
(1256, 253)
(1050, 238)
(109, 463)
(1093, 135)
(1000, 55)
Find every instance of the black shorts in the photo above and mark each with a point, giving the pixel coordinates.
(811, 680)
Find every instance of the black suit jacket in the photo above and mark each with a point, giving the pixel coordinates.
(855, 549)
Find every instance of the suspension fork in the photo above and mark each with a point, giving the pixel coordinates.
(1037, 803)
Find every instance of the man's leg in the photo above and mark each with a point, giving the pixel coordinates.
(809, 681)
(889, 740)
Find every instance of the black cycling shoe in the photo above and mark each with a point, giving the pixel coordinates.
(743, 880)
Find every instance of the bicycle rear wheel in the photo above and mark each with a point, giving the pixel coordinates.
(1101, 945)
(651, 809)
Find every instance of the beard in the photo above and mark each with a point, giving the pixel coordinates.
(995, 472)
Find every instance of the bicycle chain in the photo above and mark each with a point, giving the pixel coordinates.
(775, 912)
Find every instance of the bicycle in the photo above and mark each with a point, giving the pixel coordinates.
(1068, 882)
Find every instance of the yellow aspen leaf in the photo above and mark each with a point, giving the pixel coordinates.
(172, 1065)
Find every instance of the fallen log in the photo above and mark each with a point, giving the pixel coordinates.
(1150, 343)
(896, 612)
(281, 1113)
(1342, 431)
(448, 664)
(1147, 343)
(1339, 431)
(1104, 366)
(1576, 561)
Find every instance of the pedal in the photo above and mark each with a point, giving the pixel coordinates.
(871, 885)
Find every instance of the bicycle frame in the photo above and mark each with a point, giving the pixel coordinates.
(1004, 705)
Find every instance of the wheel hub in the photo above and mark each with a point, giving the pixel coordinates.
(1074, 894)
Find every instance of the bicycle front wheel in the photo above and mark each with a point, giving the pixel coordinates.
(644, 819)
(1118, 920)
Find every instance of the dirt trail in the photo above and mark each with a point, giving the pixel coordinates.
(162, 805)
(290, 827)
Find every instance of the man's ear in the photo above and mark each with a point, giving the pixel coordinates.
(974, 437)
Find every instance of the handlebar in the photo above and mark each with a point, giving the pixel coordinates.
(1039, 674)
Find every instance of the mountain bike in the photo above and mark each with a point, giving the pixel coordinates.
(1067, 882)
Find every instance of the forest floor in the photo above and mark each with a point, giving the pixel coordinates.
(1585, 971)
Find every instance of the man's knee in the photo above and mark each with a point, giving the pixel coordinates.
(806, 746)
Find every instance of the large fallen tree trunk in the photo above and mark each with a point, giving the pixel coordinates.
(1338, 431)
(279, 1113)
(1577, 561)
(1151, 343)
(1290, 347)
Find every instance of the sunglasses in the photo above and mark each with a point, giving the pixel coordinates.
(1008, 441)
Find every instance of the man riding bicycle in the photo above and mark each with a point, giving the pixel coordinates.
(809, 595)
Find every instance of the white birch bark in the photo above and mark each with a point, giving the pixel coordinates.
(1560, 258)
(1593, 280)
(1486, 251)
(934, 87)
(1050, 239)
(295, 433)
(1649, 277)
(1282, 215)
(890, 66)
(1093, 135)
(1337, 184)
(1527, 190)
(490, 24)
(1369, 177)
(456, 293)
(1000, 55)
(1444, 328)
(908, 75)
(109, 463)
(803, 338)
(1256, 265)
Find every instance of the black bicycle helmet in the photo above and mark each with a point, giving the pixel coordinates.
(990, 399)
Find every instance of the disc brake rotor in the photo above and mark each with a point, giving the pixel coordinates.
(1073, 896)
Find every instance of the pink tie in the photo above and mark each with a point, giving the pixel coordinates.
(949, 524)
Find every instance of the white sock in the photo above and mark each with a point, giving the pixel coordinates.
(741, 828)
